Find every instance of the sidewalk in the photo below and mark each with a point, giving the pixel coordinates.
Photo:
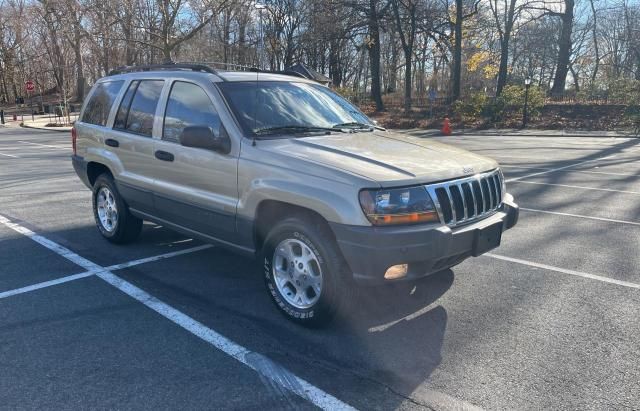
(47, 122)
(40, 122)
(520, 133)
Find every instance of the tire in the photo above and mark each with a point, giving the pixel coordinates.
(121, 226)
(296, 237)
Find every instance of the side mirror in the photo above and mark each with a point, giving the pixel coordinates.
(202, 137)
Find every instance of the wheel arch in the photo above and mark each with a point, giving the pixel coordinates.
(95, 169)
(271, 211)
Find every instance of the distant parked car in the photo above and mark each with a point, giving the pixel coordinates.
(282, 168)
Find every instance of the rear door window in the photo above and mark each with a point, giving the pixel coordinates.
(123, 110)
(138, 107)
(99, 105)
(188, 105)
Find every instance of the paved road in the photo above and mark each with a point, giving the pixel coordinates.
(549, 320)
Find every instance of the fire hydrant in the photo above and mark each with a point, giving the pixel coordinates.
(446, 127)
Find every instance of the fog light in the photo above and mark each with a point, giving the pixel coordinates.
(396, 271)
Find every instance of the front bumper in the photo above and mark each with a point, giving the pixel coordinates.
(370, 251)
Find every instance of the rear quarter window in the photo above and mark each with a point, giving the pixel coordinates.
(99, 104)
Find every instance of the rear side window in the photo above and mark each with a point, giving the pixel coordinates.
(99, 105)
(138, 107)
(188, 105)
(123, 111)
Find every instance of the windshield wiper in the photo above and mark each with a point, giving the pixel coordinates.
(354, 125)
(291, 129)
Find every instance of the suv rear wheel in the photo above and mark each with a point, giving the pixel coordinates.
(304, 271)
(111, 213)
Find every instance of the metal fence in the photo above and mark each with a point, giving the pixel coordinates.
(48, 114)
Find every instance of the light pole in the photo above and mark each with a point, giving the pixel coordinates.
(525, 115)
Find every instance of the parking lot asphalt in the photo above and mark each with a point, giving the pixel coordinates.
(548, 320)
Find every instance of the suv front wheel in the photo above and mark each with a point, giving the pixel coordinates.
(111, 213)
(304, 271)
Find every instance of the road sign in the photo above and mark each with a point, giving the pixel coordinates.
(29, 85)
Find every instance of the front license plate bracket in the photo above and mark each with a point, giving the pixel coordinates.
(486, 239)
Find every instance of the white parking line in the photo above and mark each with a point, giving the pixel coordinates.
(9, 155)
(565, 271)
(572, 171)
(157, 257)
(258, 362)
(114, 267)
(556, 169)
(45, 145)
(580, 187)
(45, 284)
(611, 220)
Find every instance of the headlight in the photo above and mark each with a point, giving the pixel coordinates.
(398, 206)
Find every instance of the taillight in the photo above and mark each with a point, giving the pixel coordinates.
(74, 137)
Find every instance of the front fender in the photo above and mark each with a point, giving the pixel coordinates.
(335, 203)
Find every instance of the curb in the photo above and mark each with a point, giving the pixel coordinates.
(544, 134)
(59, 130)
(553, 135)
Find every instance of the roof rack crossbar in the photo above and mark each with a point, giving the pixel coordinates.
(167, 66)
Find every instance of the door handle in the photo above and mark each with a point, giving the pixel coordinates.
(164, 156)
(111, 142)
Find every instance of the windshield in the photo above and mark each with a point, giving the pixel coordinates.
(278, 107)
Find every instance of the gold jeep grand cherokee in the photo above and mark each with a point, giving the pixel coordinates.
(283, 169)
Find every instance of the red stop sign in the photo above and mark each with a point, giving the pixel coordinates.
(29, 85)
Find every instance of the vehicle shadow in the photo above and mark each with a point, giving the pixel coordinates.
(396, 331)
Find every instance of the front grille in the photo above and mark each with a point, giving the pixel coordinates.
(467, 199)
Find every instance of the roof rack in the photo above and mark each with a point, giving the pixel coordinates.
(282, 72)
(166, 66)
(228, 66)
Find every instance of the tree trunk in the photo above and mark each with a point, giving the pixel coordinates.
(127, 30)
(393, 71)
(564, 50)
(407, 40)
(4, 92)
(503, 71)
(504, 65)
(576, 80)
(596, 51)
(335, 72)
(242, 44)
(77, 48)
(407, 81)
(166, 53)
(457, 53)
(374, 55)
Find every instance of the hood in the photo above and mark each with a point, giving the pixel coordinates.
(387, 157)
